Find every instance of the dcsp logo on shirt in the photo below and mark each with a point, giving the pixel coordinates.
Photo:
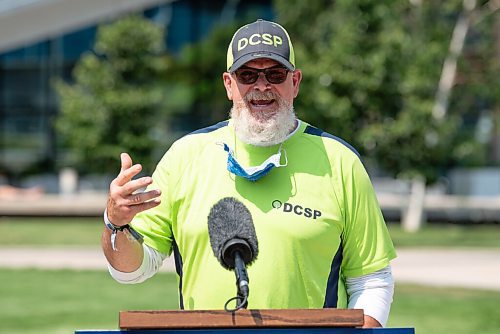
(296, 209)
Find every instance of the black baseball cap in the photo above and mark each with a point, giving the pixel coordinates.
(260, 39)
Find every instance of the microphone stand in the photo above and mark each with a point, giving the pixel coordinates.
(234, 253)
(241, 279)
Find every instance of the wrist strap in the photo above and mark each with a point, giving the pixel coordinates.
(129, 230)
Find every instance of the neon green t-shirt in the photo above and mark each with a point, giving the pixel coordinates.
(317, 219)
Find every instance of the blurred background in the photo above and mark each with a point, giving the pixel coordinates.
(413, 85)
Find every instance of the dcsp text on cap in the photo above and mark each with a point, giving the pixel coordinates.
(260, 39)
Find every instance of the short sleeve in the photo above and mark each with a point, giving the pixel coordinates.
(367, 245)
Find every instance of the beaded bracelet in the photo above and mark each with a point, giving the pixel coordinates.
(127, 229)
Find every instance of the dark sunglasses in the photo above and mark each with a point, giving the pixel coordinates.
(249, 75)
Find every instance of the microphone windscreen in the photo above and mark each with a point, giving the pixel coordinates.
(230, 219)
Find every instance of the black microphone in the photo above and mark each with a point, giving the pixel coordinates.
(234, 242)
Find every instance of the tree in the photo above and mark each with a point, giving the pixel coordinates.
(200, 67)
(476, 89)
(371, 72)
(118, 101)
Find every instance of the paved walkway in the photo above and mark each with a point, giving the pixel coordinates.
(469, 268)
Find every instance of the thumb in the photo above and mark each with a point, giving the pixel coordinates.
(126, 161)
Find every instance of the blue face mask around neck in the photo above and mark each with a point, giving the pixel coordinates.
(253, 173)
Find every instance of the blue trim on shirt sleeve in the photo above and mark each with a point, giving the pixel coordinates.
(318, 132)
(178, 269)
(210, 128)
(332, 287)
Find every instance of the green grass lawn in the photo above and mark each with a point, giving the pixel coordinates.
(445, 310)
(46, 232)
(447, 235)
(62, 301)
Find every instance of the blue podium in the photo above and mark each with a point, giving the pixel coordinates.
(253, 331)
(293, 321)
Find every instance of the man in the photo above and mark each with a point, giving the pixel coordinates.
(322, 238)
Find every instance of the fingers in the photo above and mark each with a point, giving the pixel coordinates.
(122, 214)
(125, 196)
(126, 161)
(127, 212)
(127, 174)
(136, 185)
(127, 171)
(141, 198)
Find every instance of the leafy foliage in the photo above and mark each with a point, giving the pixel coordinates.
(200, 67)
(371, 70)
(119, 99)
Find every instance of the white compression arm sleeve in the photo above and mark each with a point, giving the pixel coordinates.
(372, 293)
(151, 263)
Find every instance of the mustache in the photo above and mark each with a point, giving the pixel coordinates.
(258, 95)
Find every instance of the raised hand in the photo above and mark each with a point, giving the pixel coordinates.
(125, 198)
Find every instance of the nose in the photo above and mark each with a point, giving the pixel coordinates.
(262, 84)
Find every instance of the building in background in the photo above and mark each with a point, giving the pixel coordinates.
(43, 39)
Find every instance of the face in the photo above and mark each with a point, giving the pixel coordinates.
(288, 90)
(263, 112)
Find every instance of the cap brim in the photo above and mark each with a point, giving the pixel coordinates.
(258, 55)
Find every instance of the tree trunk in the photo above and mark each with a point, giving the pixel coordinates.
(450, 64)
(496, 113)
(414, 216)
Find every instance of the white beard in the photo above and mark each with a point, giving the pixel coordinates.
(263, 128)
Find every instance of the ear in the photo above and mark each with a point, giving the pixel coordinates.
(226, 78)
(296, 79)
